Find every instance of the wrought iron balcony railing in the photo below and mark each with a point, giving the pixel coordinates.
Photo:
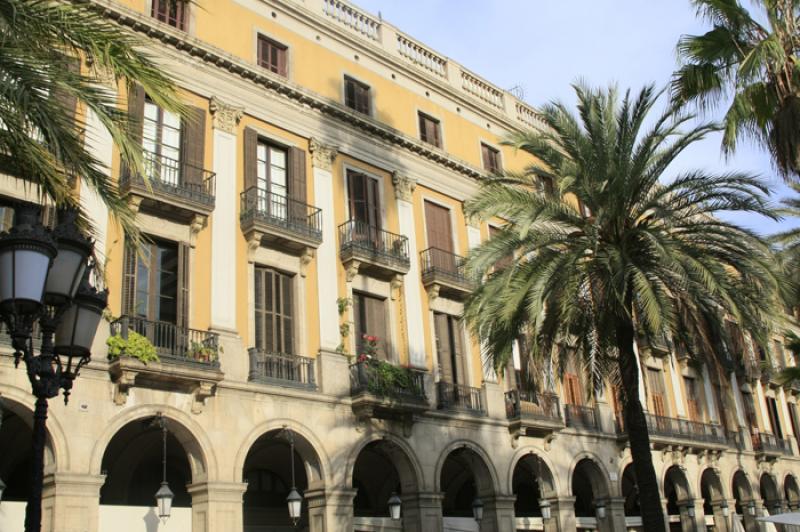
(282, 213)
(767, 443)
(281, 369)
(685, 429)
(580, 417)
(526, 404)
(400, 384)
(172, 343)
(452, 396)
(172, 178)
(438, 262)
(366, 242)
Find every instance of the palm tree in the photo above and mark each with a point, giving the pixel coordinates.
(753, 63)
(788, 247)
(41, 136)
(616, 255)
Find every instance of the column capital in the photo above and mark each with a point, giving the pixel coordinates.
(224, 116)
(322, 155)
(217, 491)
(403, 186)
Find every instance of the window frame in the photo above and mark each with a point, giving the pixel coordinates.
(423, 116)
(357, 84)
(495, 153)
(360, 318)
(282, 68)
(285, 282)
(182, 18)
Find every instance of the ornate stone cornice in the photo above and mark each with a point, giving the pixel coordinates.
(403, 186)
(322, 156)
(224, 117)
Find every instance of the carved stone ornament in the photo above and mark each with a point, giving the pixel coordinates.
(403, 186)
(224, 117)
(322, 156)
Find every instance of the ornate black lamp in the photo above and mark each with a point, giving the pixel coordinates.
(394, 506)
(44, 280)
(477, 509)
(164, 495)
(294, 501)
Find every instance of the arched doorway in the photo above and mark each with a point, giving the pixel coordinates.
(132, 463)
(531, 482)
(630, 495)
(714, 502)
(770, 496)
(744, 503)
(679, 500)
(791, 493)
(590, 489)
(463, 478)
(268, 473)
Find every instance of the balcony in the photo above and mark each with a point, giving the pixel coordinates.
(443, 273)
(382, 390)
(172, 189)
(367, 249)
(279, 222)
(459, 398)
(532, 414)
(665, 431)
(581, 417)
(188, 359)
(769, 446)
(281, 369)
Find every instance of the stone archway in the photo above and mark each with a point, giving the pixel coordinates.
(745, 507)
(464, 475)
(679, 500)
(532, 481)
(589, 486)
(267, 469)
(791, 492)
(714, 502)
(770, 495)
(630, 496)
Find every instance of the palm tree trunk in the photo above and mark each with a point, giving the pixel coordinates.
(636, 426)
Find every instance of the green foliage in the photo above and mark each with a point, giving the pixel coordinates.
(385, 379)
(344, 330)
(202, 353)
(136, 346)
(343, 303)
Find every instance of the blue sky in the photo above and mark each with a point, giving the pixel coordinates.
(544, 45)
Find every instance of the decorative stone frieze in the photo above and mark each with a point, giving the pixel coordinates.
(403, 186)
(322, 156)
(224, 117)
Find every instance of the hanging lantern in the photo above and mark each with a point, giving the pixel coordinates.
(544, 505)
(295, 503)
(394, 506)
(601, 511)
(690, 510)
(725, 510)
(164, 498)
(751, 508)
(477, 509)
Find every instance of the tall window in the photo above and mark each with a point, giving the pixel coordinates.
(793, 419)
(694, 399)
(572, 389)
(157, 282)
(658, 400)
(272, 55)
(369, 315)
(271, 164)
(172, 12)
(491, 159)
(450, 348)
(356, 95)
(363, 194)
(273, 311)
(430, 130)
(774, 419)
(161, 140)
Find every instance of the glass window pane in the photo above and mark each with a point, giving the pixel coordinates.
(278, 157)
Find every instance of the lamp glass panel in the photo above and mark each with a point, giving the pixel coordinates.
(75, 334)
(66, 273)
(29, 269)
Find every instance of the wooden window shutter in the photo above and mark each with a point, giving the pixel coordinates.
(259, 308)
(458, 351)
(287, 314)
(297, 184)
(193, 145)
(129, 280)
(250, 158)
(136, 110)
(443, 347)
(375, 313)
(572, 387)
(183, 284)
(68, 101)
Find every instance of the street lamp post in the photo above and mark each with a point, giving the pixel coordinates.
(44, 280)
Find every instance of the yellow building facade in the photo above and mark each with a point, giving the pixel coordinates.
(302, 282)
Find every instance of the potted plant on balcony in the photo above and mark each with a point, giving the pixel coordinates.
(134, 346)
(381, 377)
(201, 352)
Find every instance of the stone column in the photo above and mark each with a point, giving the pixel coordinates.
(225, 121)
(404, 192)
(721, 522)
(322, 161)
(562, 511)
(422, 512)
(217, 506)
(687, 521)
(750, 523)
(494, 400)
(498, 514)
(330, 510)
(73, 501)
(615, 515)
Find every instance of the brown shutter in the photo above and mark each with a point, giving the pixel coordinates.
(250, 158)
(443, 347)
(183, 285)
(358, 321)
(458, 351)
(437, 222)
(297, 184)
(136, 110)
(376, 324)
(193, 135)
(62, 97)
(128, 280)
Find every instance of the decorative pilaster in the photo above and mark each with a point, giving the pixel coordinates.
(422, 512)
(403, 187)
(322, 156)
(330, 510)
(73, 501)
(217, 505)
(224, 117)
(498, 514)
